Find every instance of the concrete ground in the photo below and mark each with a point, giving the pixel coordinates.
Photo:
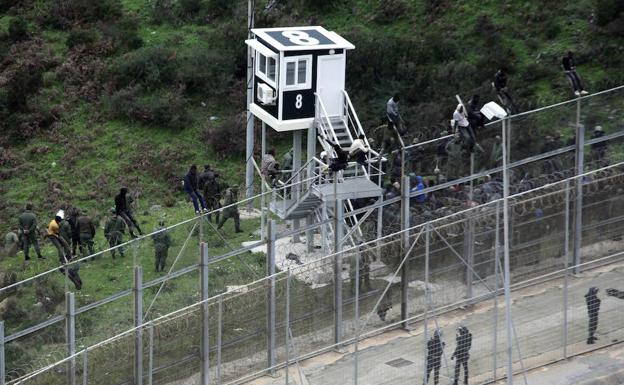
(397, 357)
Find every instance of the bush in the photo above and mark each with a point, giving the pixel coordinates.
(80, 37)
(64, 14)
(124, 35)
(389, 11)
(607, 11)
(152, 67)
(18, 30)
(225, 139)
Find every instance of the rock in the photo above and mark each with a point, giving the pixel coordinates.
(4, 305)
(156, 208)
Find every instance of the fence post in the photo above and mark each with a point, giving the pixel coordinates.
(578, 202)
(506, 268)
(405, 224)
(469, 237)
(70, 329)
(271, 354)
(287, 324)
(85, 366)
(219, 336)
(357, 315)
(338, 232)
(426, 300)
(566, 256)
(150, 365)
(496, 289)
(205, 332)
(138, 321)
(2, 357)
(296, 189)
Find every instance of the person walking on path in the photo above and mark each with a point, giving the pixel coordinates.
(462, 353)
(593, 307)
(435, 348)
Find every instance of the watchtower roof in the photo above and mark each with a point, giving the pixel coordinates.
(301, 38)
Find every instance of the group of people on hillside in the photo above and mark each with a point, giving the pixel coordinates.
(205, 192)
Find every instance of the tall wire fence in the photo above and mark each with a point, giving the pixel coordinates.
(463, 238)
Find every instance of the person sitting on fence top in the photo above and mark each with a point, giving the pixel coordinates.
(569, 68)
(269, 167)
(462, 125)
(392, 112)
(359, 150)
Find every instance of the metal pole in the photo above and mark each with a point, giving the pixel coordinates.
(205, 332)
(324, 227)
(263, 213)
(311, 147)
(2, 356)
(338, 221)
(150, 372)
(297, 187)
(405, 224)
(85, 367)
(379, 227)
(427, 256)
(219, 338)
(357, 315)
(138, 322)
(469, 237)
(578, 203)
(287, 323)
(496, 288)
(70, 330)
(566, 261)
(506, 272)
(249, 171)
(309, 234)
(271, 302)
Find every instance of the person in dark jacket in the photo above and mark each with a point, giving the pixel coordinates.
(66, 231)
(190, 183)
(28, 232)
(114, 230)
(461, 354)
(72, 217)
(500, 85)
(435, 348)
(122, 209)
(210, 186)
(86, 229)
(593, 307)
(569, 68)
(162, 242)
(341, 161)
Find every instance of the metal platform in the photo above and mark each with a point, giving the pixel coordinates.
(352, 188)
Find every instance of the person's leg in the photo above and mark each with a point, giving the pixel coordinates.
(457, 367)
(237, 223)
(129, 223)
(222, 222)
(465, 363)
(156, 260)
(163, 261)
(429, 368)
(134, 221)
(112, 244)
(26, 247)
(436, 373)
(59, 249)
(201, 199)
(194, 199)
(572, 78)
(577, 79)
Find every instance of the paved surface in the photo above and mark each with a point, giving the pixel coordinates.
(397, 357)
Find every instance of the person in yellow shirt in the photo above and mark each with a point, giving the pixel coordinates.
(63, 249)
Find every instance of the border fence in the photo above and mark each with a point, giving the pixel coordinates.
(558, 225)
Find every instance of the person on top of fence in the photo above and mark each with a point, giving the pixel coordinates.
(435, 348)
(162, 242)
(500, 85)
(359, 150)
(86, 229)
(210, 186)
(230, 197)
(599, 150)
(123, 210)
(28, 232)
(269, 168)
(11, 244)
(394, 117)
(114, 229)
(461, 354)
(462, 125)
(593, 307)
(569, 68)
(190, 183)
(63, 249)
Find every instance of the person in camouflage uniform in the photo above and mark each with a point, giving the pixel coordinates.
(364, 274)
(28, 232)
(230, 198)
(86, 229)
(66, 231)
(456, 157)
(114, 229)
(210, 187)
(11, 244)
(162, 242)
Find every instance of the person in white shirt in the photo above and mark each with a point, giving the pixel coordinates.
(392, 111)
(359, 150)
(467, 132)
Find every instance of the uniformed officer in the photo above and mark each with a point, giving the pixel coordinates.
(461, 355)
(28, 231)
(435, 348)
(593, 307)
(65, 230)
(230, 197)
(210, 187)
(86, 229)
(162, 241)
(364, 274)
(114, 229)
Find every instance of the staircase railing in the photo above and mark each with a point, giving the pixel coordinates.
(354, 127)
(324, 124)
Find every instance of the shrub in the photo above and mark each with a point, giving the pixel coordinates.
(389, 11)
(66, 13)
(207, 72)
(225, 138)
(79, 37)
(18, 30)
(607, 11)
(124, 35)
(152, 67)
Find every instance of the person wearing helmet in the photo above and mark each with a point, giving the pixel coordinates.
(114, 229)
(593, 307)
(435, 348)
(461, 354)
